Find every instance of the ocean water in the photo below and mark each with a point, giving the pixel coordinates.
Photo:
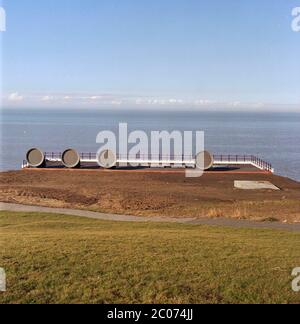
(274, 137)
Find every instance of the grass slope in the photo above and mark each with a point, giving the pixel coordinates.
(62, 259)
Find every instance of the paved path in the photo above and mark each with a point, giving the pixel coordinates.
(124, 218)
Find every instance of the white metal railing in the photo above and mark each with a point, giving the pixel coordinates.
(243, 159)
(189, 160)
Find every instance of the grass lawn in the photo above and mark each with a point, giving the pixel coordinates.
(63, 259)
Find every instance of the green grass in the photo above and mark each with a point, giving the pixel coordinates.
(62, 259)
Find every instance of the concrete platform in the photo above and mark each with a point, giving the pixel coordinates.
(254, 185)
(89, 166)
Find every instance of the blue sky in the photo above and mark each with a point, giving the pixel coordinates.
(226, 54)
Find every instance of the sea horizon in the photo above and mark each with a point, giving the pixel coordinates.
(272, 136)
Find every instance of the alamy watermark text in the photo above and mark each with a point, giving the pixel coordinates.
(296, 20)
(157, 148)
(2, 20)
(296, 281)
(2, 280)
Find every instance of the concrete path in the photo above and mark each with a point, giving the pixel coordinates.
(124, 218)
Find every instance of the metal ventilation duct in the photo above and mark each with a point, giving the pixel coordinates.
(35, 158)
(70, 159)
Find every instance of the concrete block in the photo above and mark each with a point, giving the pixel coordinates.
(254, 185)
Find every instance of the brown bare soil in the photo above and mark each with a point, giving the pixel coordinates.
(154, 194)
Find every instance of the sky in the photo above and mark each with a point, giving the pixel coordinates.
(213, 54)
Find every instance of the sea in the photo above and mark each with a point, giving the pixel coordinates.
(273, 137)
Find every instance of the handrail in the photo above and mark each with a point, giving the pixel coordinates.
(221, 158)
